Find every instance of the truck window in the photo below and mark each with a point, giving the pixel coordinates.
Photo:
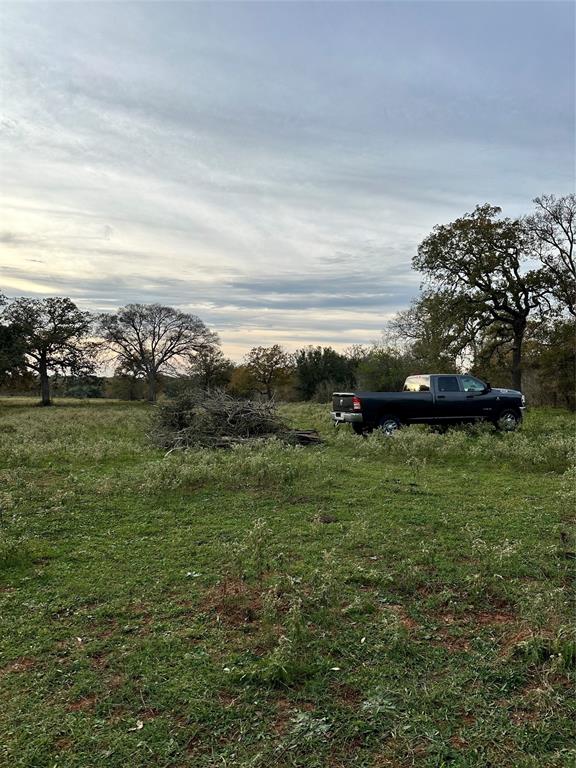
(472, 384)
(448, 384)
(417, 384)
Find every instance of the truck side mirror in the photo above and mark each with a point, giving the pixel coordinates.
(488, 386)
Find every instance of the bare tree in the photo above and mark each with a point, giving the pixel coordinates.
(552, 226)
(55, 336)
(150, 339)
(268, 367)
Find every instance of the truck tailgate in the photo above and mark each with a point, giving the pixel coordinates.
(342, 401)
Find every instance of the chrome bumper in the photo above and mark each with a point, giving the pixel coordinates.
(341, 417)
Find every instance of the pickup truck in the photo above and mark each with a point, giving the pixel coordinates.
(437, 398)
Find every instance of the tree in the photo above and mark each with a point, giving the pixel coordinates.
(241, 382)
(209, 368)
(320, 368)
(482, 261)
(80, 386)
(124, 385)
(551, 354)
(150, 339)
(552, 225)
(55, 334)
(12, 346)
(12, 350)
(269, 368)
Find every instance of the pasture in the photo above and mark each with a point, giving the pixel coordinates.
(369, 602)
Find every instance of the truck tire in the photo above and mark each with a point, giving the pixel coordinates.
(508, 420)
(389, 424)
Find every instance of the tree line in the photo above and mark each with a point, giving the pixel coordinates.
(498, 298)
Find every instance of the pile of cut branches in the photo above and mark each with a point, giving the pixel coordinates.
(214, 419)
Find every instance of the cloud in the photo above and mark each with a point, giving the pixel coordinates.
(318, 309)
(271, 166)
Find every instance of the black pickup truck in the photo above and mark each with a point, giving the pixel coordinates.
(438, 399)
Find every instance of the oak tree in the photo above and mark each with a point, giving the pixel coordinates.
(55, 336)
(484, 261)
(150, 339)
(269, 368)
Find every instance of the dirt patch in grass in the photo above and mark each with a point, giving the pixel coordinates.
(453, 643)
(118, 714)
(23, 664)
(99, 660)
(283, 717)
(143, 617)
(326, 519)
(346, 694)
(405, 620)
(234, 603)
(492, 618)
(458, 742)
(227, 699)
(468, 719)
(63, 744)
(510, 642)
(106, 630)
(457, 630)
(149, 713)
(115, 681)
(524, 717)
(83, 704)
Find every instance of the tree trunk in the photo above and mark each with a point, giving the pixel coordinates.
(152, 388)
(517, 358)
(44, 382)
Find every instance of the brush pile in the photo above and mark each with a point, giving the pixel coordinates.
(214, 419)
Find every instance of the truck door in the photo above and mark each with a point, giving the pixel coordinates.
(419, 407)
(479, 399)
(451, 402)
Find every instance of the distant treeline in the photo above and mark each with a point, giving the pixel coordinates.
(315, 372)
(498, 299)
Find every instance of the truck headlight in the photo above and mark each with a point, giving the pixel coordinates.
(523, 401)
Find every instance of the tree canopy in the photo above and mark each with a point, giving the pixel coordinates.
(55, 337)
(269, 368)
(321, 368)
(484, 262)
(149, 339)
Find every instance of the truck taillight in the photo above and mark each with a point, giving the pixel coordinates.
(356, 404)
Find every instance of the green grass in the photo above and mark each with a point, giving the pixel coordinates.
(372, 602)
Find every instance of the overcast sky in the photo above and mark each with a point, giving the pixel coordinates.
(270, 167)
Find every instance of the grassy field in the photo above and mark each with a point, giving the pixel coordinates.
(371, 602)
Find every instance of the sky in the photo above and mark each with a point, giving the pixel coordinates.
(269, 166)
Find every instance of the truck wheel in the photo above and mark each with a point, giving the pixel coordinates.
(508, 420)
(389, 424)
